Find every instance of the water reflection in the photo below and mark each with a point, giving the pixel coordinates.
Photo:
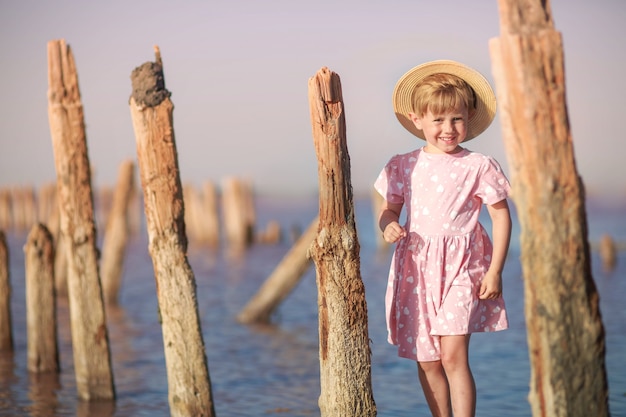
(8, 380)
(42, 392)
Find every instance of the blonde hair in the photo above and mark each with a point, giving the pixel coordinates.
(442, 92)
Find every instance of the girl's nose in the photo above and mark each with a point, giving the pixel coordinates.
(448, 126)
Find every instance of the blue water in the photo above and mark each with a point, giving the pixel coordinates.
(274, 370)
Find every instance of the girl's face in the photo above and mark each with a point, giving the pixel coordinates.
(443, 132)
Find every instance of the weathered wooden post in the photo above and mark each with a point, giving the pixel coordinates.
(189, 386)
(116, 234)
(565, 331)
(211, 217)
(282, 281)
(6, 329)
(61, 255)
(238, 213)
(345, 355)
(90, 340)
(193, 213)
(608, 253)
(41, 319)
(6, 220)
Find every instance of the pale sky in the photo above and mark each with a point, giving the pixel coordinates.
(238, 72)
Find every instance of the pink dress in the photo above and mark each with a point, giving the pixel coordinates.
(437, 269)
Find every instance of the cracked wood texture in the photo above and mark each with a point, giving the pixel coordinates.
(189, 385)
(345, 355)
(565, 331)
(90, 341)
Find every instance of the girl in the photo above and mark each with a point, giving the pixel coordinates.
(445, 280)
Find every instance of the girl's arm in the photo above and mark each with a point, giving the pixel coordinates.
(388, 222)
(491, 286)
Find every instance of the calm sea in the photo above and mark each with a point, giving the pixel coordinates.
(274, 370)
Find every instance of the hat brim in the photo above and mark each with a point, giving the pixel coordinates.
(485, 98)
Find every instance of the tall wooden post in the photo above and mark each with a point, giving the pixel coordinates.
(90, 340)
(189, 387)
(41, 319)
(565, 331)
(345, 355)
(116, 235)
(6, 329)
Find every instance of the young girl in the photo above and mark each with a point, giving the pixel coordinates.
(445, 278)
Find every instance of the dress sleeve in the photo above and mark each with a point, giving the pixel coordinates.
(390, 183)
(493, 186)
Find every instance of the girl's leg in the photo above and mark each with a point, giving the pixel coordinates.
(455, 362)
(435, 386)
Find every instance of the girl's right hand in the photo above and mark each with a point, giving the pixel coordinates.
(393, 232)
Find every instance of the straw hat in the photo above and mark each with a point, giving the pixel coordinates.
(485, 98)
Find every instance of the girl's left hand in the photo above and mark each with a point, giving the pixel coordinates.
(491, 286)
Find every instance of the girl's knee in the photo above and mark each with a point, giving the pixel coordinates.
(429, 367)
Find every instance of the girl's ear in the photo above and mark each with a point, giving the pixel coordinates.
(417, 121)
(471, 113)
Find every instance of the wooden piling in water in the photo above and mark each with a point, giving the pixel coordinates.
(210, 210)
(47, 208)
(564, 326)
(345, 355)
(189, 386)
(6, 215)
(90, 341)
(61, 264)
(116, 234)
(41, 319)
(6, 330)
(238, 212)
(608, 253)
(281, 282)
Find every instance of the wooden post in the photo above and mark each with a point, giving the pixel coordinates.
(211, 217)
(193, 213)
(6, 220)
(345, 355)
(238, 213)
(116, 235)
(189, 386)
(565, 331)
(90, 340)
(608, 253)
(41, 319)
(6, 330)
(282, 281)
(61, 255)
